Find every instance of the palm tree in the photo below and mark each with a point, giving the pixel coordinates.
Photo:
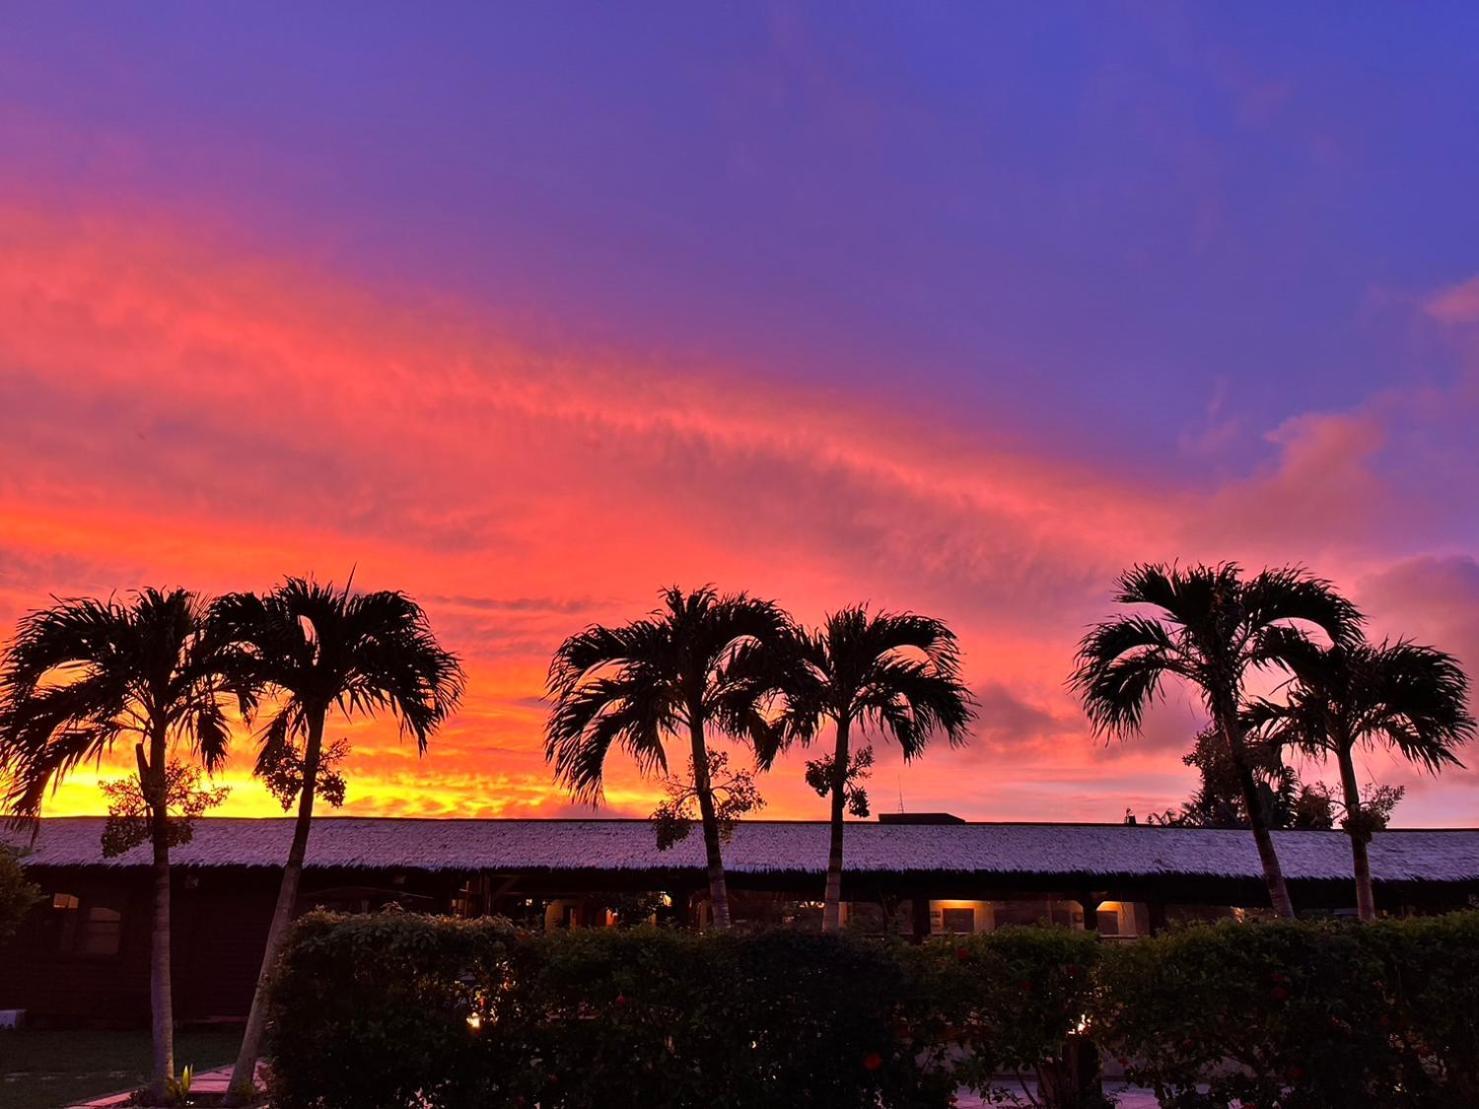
(666, 676)
(84, 673)
(1409, 697)
(1211, 626)
(896, 674)
(310, 649)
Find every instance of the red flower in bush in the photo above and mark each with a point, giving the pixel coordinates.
(1294, 1072)
(621, 1001)
(872, 1061)
(1073, 970)
(962, 953)
(1279, 994)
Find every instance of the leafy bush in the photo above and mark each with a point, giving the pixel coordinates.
(1296, 1015)
(400, 1010)
(1431, 980)
(373, 1011)
(1009, 1002)
(17, 894)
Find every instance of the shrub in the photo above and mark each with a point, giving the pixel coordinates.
(372, 1011)
(1009, 1002)
(1297, 1014)
(17, 894)
(1431, 980)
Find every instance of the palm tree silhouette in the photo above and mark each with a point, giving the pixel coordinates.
(308, 649)
(1408, 697)
(85, 673)
(1211, 627)
(896, 674)
(644, 684)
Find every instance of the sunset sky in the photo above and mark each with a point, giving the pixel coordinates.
(948, 307)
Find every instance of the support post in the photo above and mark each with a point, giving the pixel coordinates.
(920, 907)
(1090, 903)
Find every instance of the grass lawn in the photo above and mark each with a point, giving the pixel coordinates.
(42, 1070)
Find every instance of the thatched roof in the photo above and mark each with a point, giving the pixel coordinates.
(776, 847)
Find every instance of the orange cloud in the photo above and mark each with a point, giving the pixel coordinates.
(182, 413)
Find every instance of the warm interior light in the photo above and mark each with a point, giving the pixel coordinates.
(475, 1020)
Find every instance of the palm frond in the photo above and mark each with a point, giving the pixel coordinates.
(702, 658)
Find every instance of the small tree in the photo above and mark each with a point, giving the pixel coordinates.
(1285, 801)
(310, 649)
(734, 791)
(896, 675)
(1209, 626)
(670, 676)
(17, 894)
(1412, 699)
(85, 673)
(131, 813)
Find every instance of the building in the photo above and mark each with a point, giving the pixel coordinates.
(83, 954)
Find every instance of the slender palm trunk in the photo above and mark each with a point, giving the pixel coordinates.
(243, 1074)
(832, 907)
(718, 888)
(161, 995)
(1273, 873)
(1365, 895)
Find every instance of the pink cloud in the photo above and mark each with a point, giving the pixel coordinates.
(181, 413)
(1456, 305)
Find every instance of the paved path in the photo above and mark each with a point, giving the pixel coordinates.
(203, 1082)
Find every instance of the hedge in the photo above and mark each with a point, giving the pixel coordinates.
(396, 1010)
(1299, 1015)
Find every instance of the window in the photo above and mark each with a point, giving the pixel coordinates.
(101, 932)
(64, 913)
(1109, 922)
(1022, 912)
(958, 921)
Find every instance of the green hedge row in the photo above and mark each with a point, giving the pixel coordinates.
(402, 1010)
(1299, 1015)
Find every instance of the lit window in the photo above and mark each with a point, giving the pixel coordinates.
(958, 921)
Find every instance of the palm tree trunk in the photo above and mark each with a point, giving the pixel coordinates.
(1365, 895)
(718, 888)
(832, 907)
(161, 996)
(1273, 873)
(243, 1074)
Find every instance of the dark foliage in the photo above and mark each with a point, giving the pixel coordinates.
(17, 894)
(1284, 800)
(374, 1011)
(1295, 1015)
(1005, 1003)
